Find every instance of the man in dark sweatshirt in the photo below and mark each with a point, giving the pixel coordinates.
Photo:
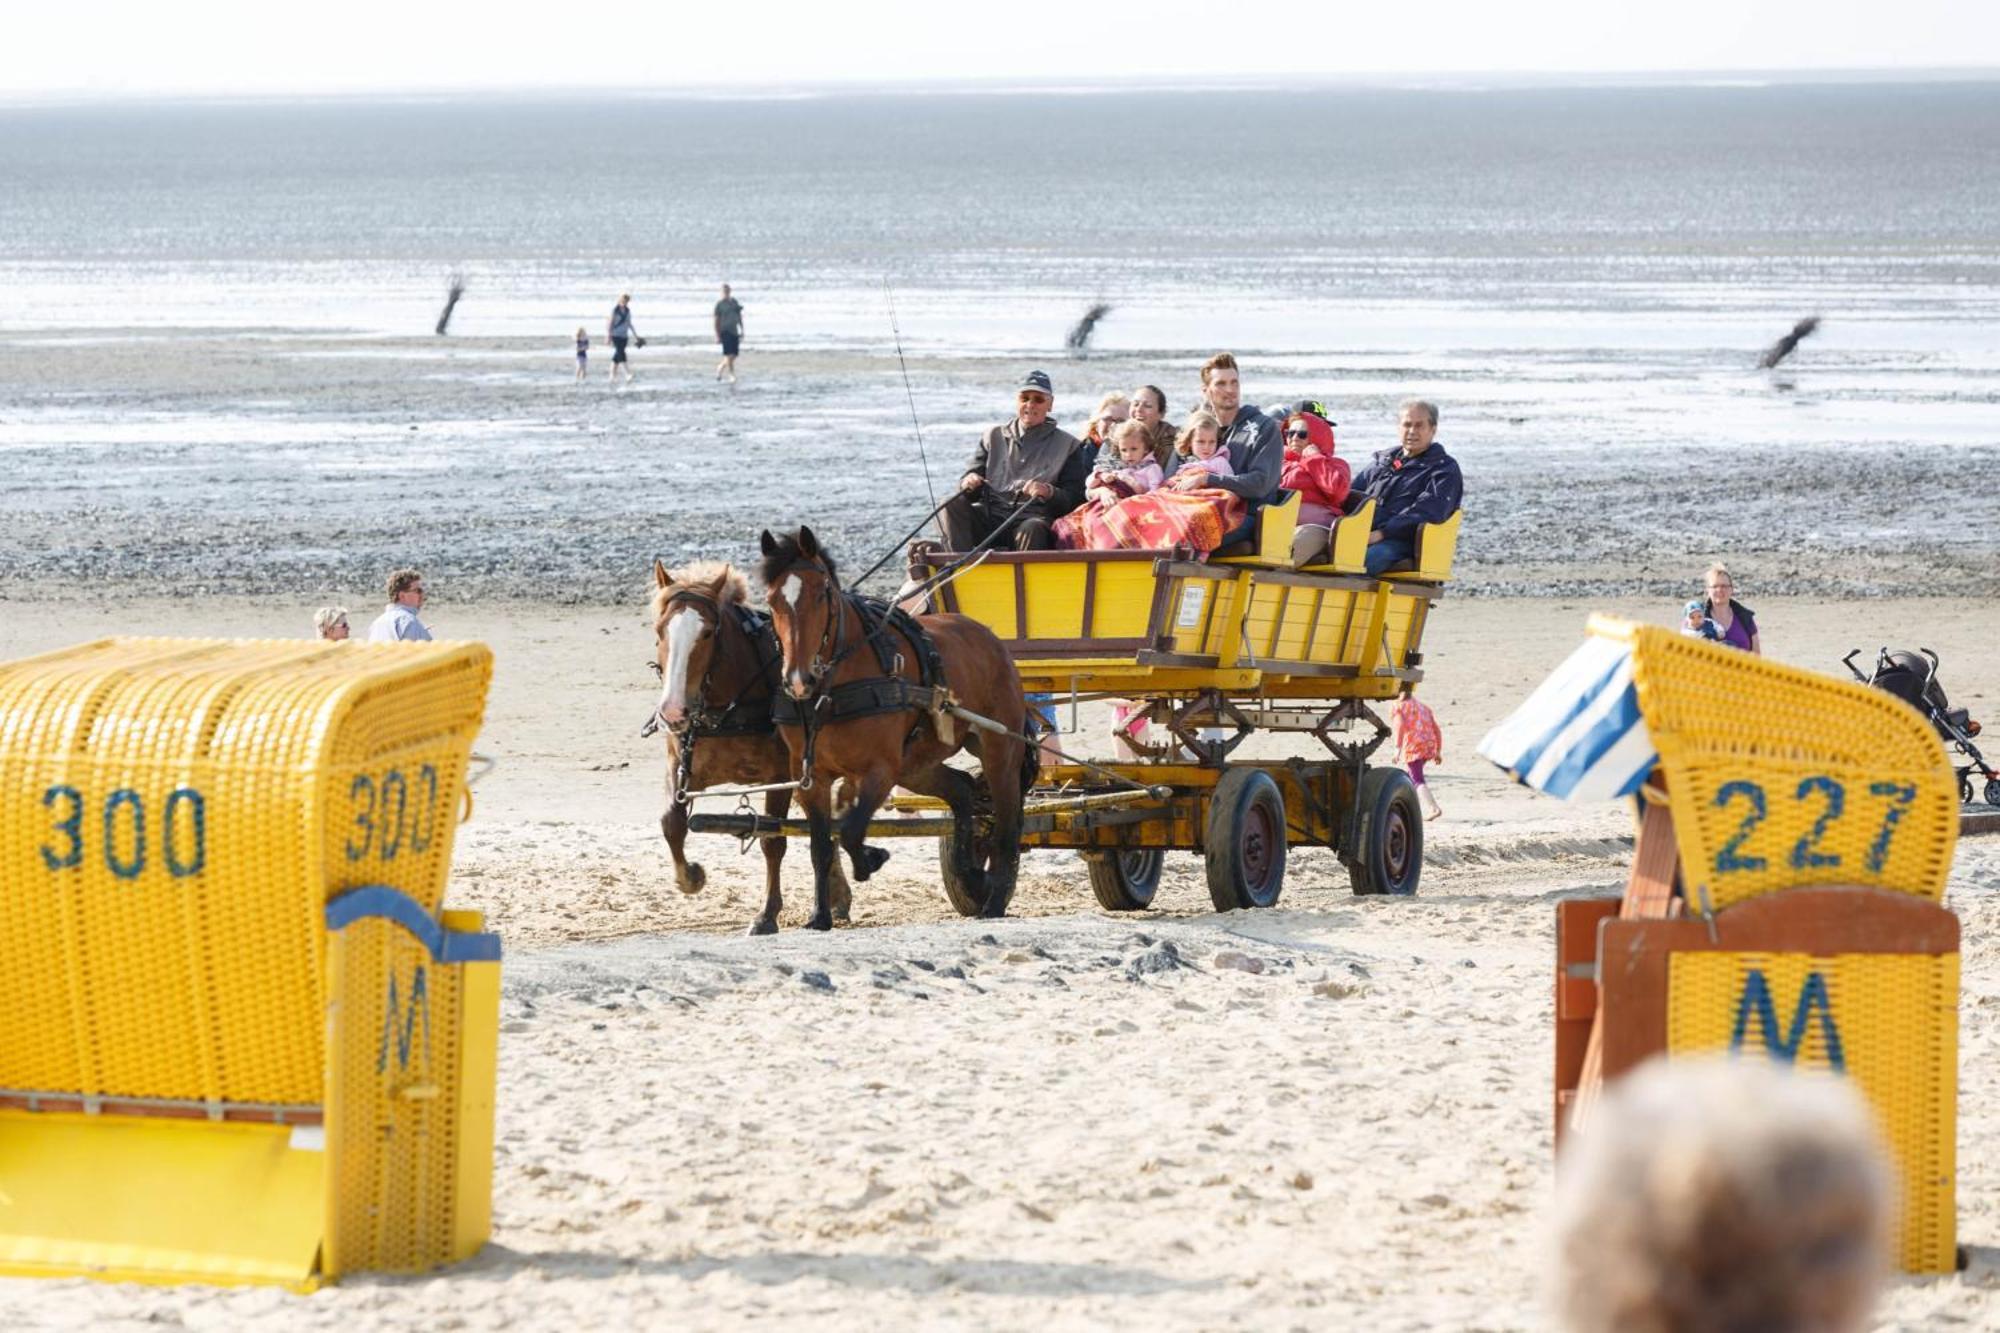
(1414, 484)
(1028, 464)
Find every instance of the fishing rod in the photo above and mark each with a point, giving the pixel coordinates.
(910, 394)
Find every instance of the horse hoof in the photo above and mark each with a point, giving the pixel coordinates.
(763, 925)
(820, 923)
(691, 882)
(843, 915)
(869, 861)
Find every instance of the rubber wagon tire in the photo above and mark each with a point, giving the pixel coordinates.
(1125, 880)
(1245, 840)
(1391, 856)
(963, 901)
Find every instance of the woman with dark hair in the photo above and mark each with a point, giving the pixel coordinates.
(1149, 409)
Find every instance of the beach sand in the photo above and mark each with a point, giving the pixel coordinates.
(1333, 1114)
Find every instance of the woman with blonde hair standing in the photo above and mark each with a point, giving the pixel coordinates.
(1734, 623)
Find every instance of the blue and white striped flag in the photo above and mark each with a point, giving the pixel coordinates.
(1579, 735)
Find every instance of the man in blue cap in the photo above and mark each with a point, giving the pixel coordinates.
(1028, 470)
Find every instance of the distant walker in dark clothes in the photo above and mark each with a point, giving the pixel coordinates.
(619, 329)
(1414, 484)
(728, 332)
(1028, 464)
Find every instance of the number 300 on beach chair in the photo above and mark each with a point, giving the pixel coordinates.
(242, 1042)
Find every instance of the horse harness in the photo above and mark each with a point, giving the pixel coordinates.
(870, 696)
(740, 716)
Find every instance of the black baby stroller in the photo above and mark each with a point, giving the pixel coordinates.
(1912, 677)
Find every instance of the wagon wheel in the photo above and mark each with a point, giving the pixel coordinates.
(1389, 854)
(1245, 840)
(966, 899)
(1125, 880)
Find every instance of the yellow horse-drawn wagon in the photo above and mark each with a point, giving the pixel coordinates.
(1213, 653)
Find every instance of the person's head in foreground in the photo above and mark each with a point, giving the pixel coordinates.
(1722, 1196)
(1417, 425)
(406, 588)
(330, 622)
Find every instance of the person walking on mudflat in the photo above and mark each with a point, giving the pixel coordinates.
(621, 332)
(728, 332)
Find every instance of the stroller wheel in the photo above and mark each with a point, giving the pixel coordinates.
(1965, 788)
(1993, 791)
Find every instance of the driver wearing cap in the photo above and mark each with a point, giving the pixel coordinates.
(1027, 470)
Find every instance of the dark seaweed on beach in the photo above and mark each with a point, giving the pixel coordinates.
(1079, 337)
(451, 296)
(1782, 348)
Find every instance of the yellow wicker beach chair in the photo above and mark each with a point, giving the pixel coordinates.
(242, 1043)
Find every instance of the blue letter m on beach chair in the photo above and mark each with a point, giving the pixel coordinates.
(1813, 998)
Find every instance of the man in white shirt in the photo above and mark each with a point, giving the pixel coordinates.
(398, 620)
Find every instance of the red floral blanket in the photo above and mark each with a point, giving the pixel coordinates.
(1154, 521)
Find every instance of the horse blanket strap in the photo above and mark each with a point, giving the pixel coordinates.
(887, 693)
(879, 618)
(857, 698)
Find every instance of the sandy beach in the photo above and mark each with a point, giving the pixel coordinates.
(1331, 1114)
(222, 405)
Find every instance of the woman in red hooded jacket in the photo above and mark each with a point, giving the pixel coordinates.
(1320, 479)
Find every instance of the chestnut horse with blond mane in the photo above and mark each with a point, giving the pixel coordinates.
(718, 667)
(868, 696)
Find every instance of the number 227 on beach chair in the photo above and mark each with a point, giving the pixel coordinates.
(1795, 834)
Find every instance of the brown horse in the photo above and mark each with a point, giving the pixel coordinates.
(861, 727)
(717, 681)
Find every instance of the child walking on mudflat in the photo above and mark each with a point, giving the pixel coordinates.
(1415, 729)
(582, 354)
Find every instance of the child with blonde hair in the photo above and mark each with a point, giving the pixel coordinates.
(1201, 437)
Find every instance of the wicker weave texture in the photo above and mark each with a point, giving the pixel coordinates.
(1887, 1021)
(1781, 777)
(396, 1139)
(174, 813)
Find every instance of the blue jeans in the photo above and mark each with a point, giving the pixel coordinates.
(1389, 551)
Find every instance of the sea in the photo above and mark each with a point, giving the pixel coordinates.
(216, 317)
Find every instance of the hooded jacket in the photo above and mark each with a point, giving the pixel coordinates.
(1007, 457)
(1321, 479)
(1409, 492)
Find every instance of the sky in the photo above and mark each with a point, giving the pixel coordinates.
(126, 48)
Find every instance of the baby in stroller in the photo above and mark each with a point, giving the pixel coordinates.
(1912, 677)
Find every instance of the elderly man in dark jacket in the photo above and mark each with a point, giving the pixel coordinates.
(1414, 484)
(1028, 465)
